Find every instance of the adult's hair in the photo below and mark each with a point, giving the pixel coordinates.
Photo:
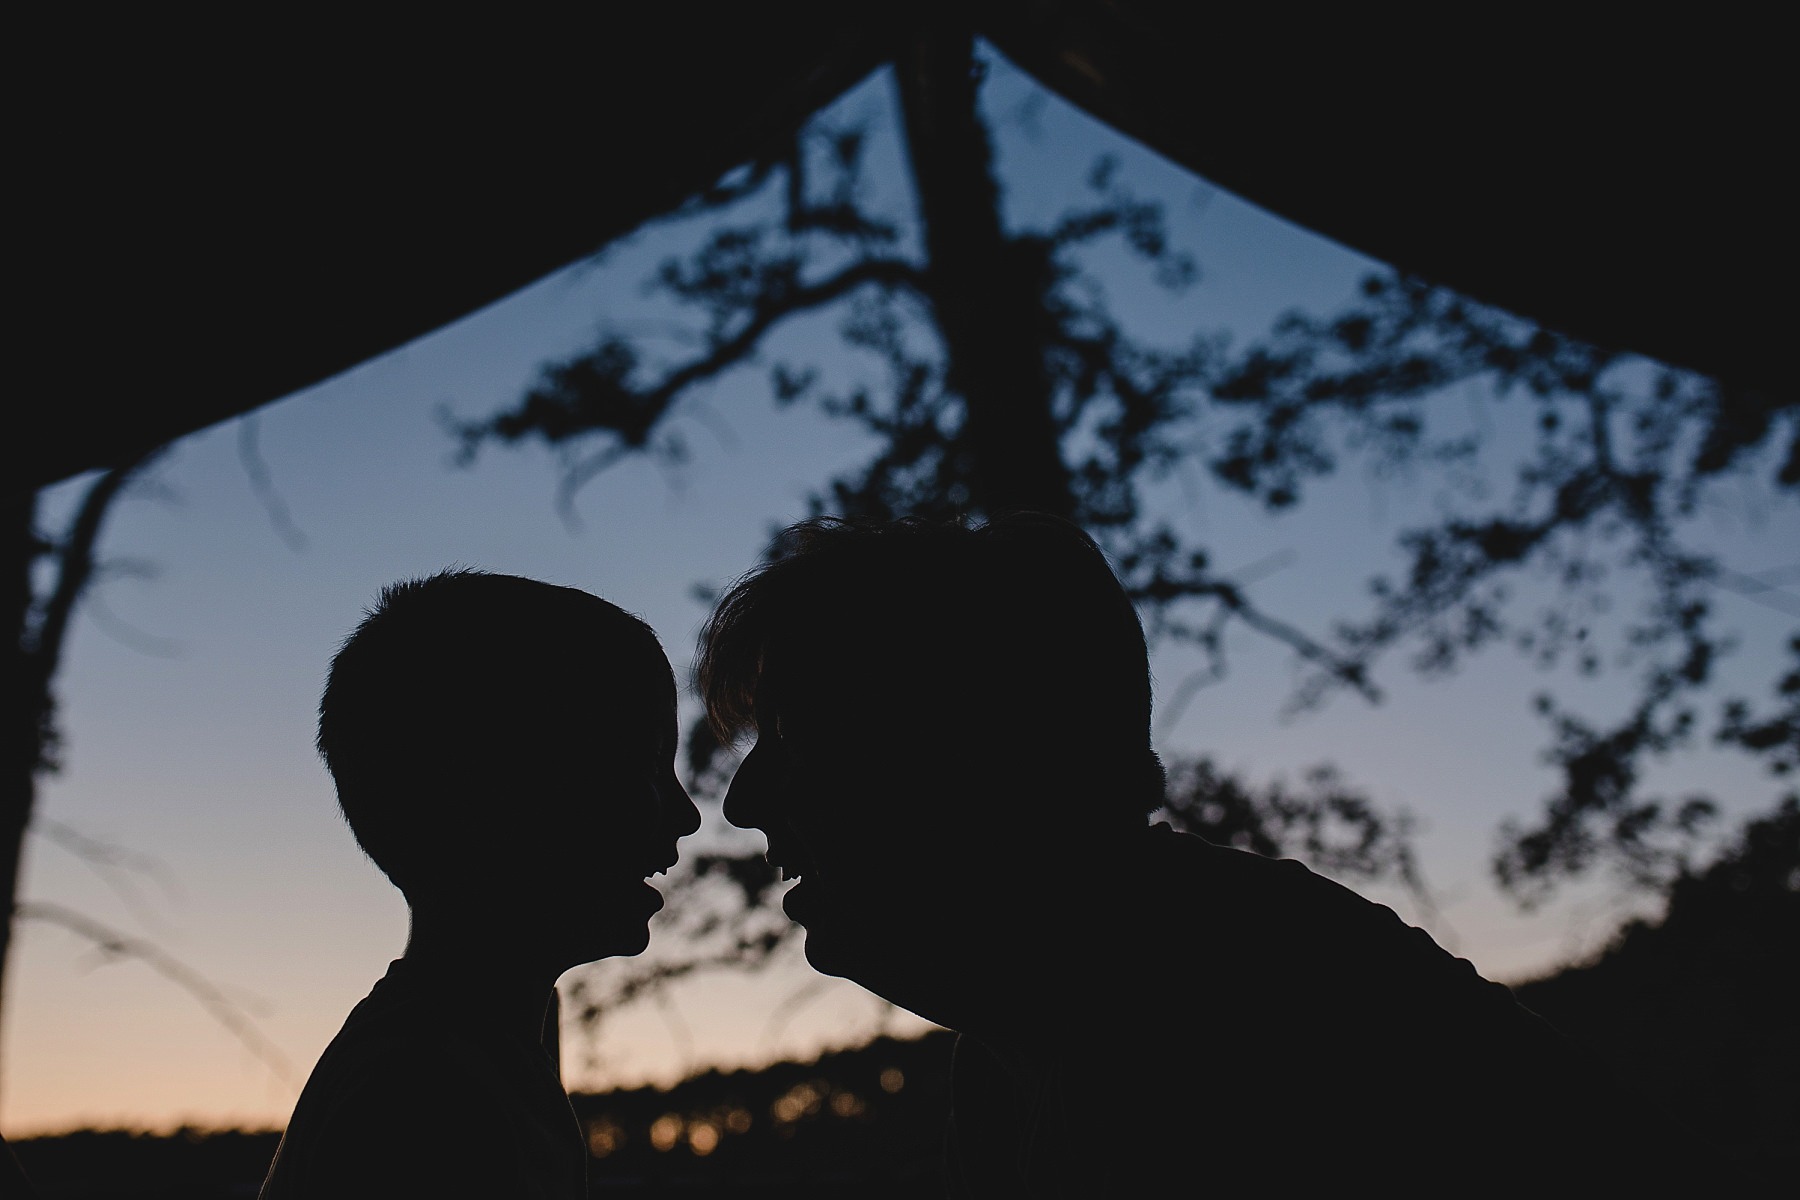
(458, 691)
(1008, 646)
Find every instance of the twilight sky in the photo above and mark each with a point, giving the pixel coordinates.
(188, 696)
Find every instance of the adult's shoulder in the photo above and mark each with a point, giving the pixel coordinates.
(1223, 890)
(1194, 861)
(1274, 934)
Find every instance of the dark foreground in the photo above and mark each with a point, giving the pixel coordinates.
(1698, 1014)
(862, 1122)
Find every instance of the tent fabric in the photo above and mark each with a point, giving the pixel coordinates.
(1619, 179)
(216, 216)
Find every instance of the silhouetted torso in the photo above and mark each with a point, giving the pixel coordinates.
(429, 1091)
(1260, 1028)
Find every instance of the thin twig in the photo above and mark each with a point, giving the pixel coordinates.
(678, 1029)
(126, 634)
(115, 866)
(262, 483)
(113, 944)
(1759, 591)
(726, 353)
(789, 1008)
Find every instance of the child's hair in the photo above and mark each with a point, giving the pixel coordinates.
(460, 690)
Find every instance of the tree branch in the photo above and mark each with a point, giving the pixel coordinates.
(770, 311)
(262, 483)
(113, 944)
(75, 567)
(1164, 588)
(114, 865)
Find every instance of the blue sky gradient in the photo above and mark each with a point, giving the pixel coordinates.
(188, 697)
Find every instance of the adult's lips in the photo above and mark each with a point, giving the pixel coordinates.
(791, 865)
(788, 862)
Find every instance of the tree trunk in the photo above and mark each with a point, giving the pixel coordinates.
(35, 654)
(22, 718)
(988, 292)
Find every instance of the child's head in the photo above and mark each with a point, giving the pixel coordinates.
(499, 741)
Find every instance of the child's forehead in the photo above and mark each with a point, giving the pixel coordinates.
(612, 688)
(608, 648)
(615, 689)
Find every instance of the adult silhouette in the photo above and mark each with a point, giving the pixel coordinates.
(952, 755)
(503, 749)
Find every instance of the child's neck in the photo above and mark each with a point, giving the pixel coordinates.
(484, 962)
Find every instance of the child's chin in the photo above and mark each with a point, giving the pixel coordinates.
(621, 920)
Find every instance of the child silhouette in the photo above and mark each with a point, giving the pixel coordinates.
(503, 750)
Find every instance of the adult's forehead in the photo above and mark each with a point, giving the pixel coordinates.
(838, 685)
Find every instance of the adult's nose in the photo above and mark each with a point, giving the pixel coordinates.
(746, 799)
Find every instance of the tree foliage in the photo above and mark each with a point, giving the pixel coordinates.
(1626, 454)
(1696, 1011)
(1006, 380)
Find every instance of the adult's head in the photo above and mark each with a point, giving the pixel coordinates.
(946, 719)
(506, 746)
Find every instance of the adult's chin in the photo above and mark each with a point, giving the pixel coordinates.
(801, 903)
(871, 970)
(803, 907)
(825, 954)
(621, 942)
(891, 964)
(844, 952)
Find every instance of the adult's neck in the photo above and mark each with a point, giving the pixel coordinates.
(1048, 956)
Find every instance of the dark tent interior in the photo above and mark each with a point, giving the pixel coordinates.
(219, 216)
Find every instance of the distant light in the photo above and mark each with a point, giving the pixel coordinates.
(847, 1104)
(738, 1120)
(703, 1137)
(665, 1131)
(604, 1136)
(799, 1101)
(892, 1080)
